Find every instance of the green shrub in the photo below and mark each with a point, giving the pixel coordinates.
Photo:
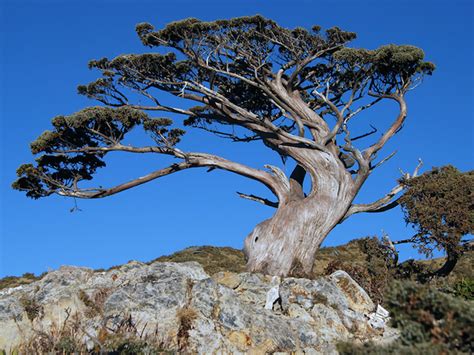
(395, 348)
(413, 270)
(430, 322)
(15, 281)
(130, 344)
(464, 288)
(425, 314)
(439, 205)
(212, 259)
(67, 345)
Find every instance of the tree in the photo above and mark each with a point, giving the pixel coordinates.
(245, 79)
(440, 206)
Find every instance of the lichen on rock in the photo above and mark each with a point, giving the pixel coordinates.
(179, 307)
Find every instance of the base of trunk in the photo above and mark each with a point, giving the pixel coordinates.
(451, 261)
(286, 243)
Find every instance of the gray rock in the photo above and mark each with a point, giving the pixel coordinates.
(177, 306)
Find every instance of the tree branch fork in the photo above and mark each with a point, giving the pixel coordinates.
(386, 202)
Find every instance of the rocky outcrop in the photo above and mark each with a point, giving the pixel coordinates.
(178, 307)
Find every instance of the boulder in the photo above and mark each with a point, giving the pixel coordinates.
(178, 307)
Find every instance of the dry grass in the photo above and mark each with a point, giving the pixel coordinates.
(343, 253)
(95, 302)
(216, 259)
(186, 317)
(31, 307)
(124, 335)
(15, 281)
(212, 259)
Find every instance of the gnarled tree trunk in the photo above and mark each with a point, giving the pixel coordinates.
(286, 243)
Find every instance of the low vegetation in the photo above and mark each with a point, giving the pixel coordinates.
(123, 335)
(31, 307)
(434, 314)
(439, 205)
(212, 259)
(430, 322)
(14, 281)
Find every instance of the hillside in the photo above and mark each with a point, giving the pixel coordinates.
(216, 259)
(431, 317)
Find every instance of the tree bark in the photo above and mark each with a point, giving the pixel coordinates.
(452, 258)
(286, 243)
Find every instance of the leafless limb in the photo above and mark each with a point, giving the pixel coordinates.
(374, 130)
(387, 158)
(394, 128)
(277, 182)
(259, 199)
(386, 202)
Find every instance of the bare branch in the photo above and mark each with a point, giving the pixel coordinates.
(394, 128)
(386, 202)
(384, 160)
(231, 136)
(404, 241)
(124, 148)
(280, 175)
(128, 185)
(163, 108)
(363, 170)
(374, 130)
(340, 118)
(259, 199)
(361, 108)
(277, 183)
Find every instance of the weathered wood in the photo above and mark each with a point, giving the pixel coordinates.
(287, 242)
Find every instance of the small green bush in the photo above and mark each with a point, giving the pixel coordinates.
(67, 345)
(128, 343)
(430, 322)
(396, 348)
(464, 288)
(425, 314)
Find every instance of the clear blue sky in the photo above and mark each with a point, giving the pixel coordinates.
(45, 49)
